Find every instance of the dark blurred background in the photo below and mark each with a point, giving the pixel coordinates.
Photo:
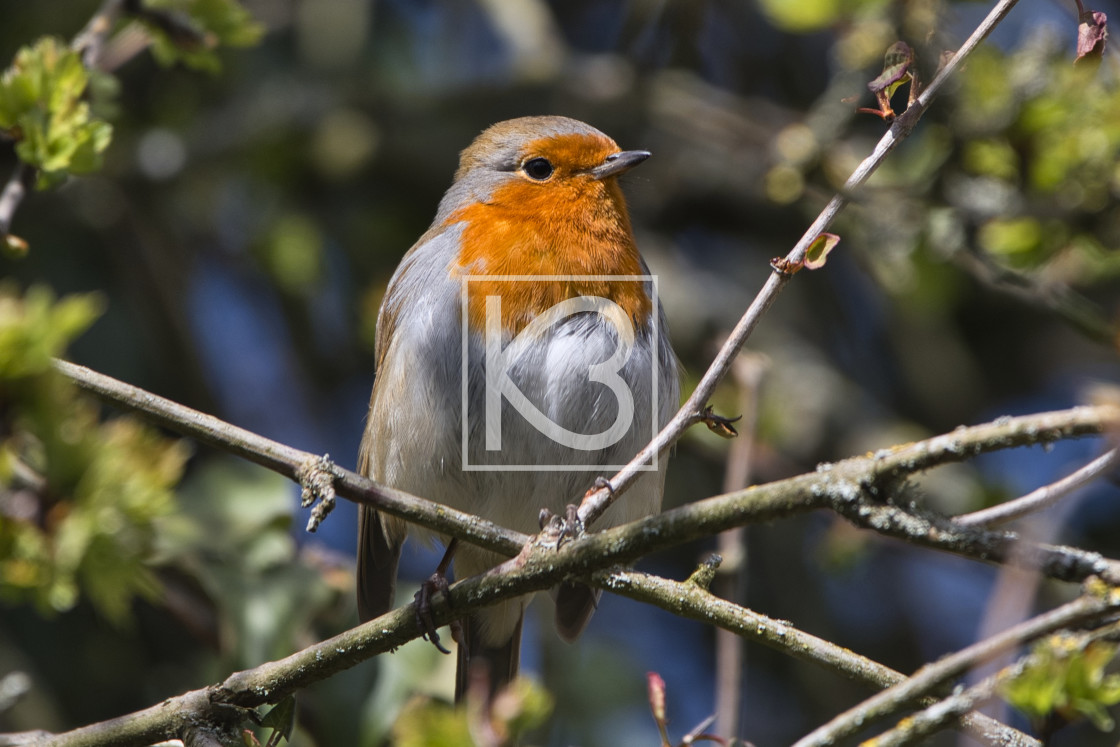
(245, 224)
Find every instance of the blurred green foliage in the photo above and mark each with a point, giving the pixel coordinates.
(232, 536)
(292, 253)
(1050, 131)
(1067, 679)
(1051, 128)
(188, 31)
(521, 707)
(1008, 179)
(45, 93)
(105, 484)
(807, 16)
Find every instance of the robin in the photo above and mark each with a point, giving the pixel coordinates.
(520, 355)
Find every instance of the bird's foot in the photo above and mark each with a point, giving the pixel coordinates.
(601, 483)
(557, 530)
(435, 584)
(718, 424)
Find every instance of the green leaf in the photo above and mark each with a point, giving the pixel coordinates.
(281, 717)
(896, 69)
(228, 20)
(1067, 677)
(91, 143)
(42, 106)
(817, 253)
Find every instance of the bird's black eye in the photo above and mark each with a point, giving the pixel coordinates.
(537, 168)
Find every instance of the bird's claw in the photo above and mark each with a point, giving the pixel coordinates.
(559, 529)
(601, 483)
(719, 424)
(435, 584)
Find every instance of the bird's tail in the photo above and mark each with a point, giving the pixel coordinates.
(575, 602)
(496, 666)
(377, 566)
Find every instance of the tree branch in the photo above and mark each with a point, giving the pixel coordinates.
(21, 180)
(90, 41)
(540, 566)
(1034, 291)
(227, 702)
(936, 716)
(1085, 609)
(731, 579)
(693, 601)
(940, 713)
(855, 488)
(1058, 562)
(167, 720)
(291, 462)
(1043, 497)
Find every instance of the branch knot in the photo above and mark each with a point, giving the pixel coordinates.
(316, 479)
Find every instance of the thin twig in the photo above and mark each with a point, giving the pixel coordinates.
(940, 714)
(693, 602)
(1085, 608)
(90, 41)
(1013, 594)
(1011, 600)
(1004, 432)
(689, 414)
(1043, 497)
(21, 180)
(1038, 291)
(944, 712)
(731, 577)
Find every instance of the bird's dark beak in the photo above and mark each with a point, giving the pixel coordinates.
(617, 163)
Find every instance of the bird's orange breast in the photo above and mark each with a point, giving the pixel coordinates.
(575, 227)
